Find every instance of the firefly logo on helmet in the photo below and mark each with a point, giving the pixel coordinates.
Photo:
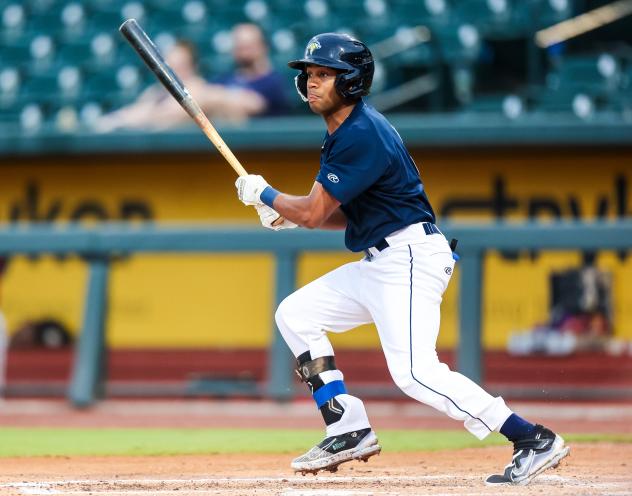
(314, 45)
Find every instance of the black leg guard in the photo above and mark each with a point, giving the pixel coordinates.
(308, 371)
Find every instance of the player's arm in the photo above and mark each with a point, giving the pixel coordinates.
(337, 220)
(317, 209)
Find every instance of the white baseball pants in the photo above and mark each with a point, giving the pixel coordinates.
(400, 289)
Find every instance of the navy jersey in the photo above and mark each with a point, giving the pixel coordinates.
(366, 167)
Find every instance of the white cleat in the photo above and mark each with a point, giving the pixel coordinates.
(334, 450)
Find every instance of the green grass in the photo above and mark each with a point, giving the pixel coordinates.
(58, 442)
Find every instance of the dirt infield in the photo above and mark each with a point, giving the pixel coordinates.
(592, 469)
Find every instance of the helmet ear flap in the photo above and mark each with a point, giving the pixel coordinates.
(300, 81)
(350, 84)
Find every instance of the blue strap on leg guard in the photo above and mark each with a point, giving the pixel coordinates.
(328, 391)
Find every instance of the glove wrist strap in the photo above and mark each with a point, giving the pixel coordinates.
(268, 195)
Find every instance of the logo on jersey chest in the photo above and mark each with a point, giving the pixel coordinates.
(333, 178)
(448, 270)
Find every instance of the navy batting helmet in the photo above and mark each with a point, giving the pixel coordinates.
(350, 57)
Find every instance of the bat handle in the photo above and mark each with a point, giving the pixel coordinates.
(278, 220)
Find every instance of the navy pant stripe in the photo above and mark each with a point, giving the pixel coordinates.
(410, 320)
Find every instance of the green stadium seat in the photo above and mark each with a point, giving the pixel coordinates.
(315, 19)
(32, 117)
(74, 20)
(388, 74)
(198, 24)
(258, 12)
(509, 106)
(89, 112)
(458, 43)
(133, 9)
(286, 43)
(106, 21)
(17, 53)
(569, 102)
(497, 19)
(231, 13)
(115, 87)
(596, 74)
(39, 7)
(42, 51)
(69, 83)
(12, 21)
(80, 53)
(431, 13)
(41, 87)
(409, 46)
(626, 80)
(289, 15)
(545, 13)
(9, 115)
(10, 87)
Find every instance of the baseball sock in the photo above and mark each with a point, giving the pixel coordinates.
(516, 428)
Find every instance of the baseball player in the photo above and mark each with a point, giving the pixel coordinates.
(369, 185)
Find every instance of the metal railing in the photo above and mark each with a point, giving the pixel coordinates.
(97, 245)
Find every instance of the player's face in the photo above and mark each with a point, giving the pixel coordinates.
(322, 96)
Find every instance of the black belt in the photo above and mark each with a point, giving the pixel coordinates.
(382, 244)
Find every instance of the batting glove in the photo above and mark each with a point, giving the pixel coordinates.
(269, 215)
(249, 188)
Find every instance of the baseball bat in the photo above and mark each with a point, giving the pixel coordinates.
(140, 42)
(152, 57)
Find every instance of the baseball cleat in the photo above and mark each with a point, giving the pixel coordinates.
(334, 450)
(531, 457)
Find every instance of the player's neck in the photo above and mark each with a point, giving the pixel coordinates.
(334, 119)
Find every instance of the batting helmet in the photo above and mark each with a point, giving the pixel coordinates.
(350, 57)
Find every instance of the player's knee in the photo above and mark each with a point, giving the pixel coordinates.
(286, 314)
(423, 372)
(403, 381)
(281, 315)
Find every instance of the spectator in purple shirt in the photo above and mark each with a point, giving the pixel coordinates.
(263, 89)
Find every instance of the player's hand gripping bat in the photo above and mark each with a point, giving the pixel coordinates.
(139, 40)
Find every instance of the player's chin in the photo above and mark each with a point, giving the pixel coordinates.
(315, 107)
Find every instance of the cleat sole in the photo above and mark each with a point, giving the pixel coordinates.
(362, 455)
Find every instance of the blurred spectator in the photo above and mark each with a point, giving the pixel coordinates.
(253, 89)
(155, 108)
(263, 88)
(580, 315)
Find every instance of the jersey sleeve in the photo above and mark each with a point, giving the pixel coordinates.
(352, 167)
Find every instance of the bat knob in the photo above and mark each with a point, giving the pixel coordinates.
(279, 220)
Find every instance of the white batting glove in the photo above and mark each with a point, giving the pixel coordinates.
(249, 188)
(269, 215)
